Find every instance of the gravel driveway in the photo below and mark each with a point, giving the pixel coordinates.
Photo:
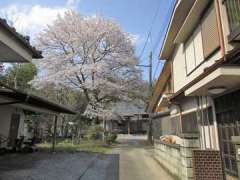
(59, 166)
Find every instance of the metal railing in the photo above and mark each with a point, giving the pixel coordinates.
(233, 12)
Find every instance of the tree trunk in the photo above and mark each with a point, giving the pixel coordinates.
(104, 130)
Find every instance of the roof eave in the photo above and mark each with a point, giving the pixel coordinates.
(191, 20)
(180, 12)
(159, 87)
(32, 100)
(35, 53)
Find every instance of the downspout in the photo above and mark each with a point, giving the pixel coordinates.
(181, 119)
(199, 120)
(202, 121)
(209, 129)
(180, 115)
(220, 29)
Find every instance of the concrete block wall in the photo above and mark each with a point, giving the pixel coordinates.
(168, 156)
(177, 159)
(189, 142)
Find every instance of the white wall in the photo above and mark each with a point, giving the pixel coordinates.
(180, 77)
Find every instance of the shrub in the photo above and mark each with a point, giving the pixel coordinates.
(110, 137)
(95, 132)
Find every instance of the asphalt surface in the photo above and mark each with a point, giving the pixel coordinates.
(131, 159)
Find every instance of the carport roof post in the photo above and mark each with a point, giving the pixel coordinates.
(54, 132)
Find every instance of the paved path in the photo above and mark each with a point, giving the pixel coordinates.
(136, 162)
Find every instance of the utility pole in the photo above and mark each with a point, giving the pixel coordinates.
(150, 94)
(149, 134)
(150, 73)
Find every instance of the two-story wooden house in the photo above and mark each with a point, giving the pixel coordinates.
(202, 48)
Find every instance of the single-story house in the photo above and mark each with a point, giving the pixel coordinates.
(129, 124)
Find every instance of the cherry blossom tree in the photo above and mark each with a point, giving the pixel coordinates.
(93, 55)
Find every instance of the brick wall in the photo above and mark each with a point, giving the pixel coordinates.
(207, 164)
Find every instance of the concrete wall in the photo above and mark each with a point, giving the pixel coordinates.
(177, 159)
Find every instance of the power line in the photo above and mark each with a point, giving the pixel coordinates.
(155, 71)
(149, 32)
(145, 44)
(159, 41)
(153, 47)
(163, 30)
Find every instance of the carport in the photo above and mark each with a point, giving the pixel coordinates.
(18, 100)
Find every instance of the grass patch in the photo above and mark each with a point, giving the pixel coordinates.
(85, 145)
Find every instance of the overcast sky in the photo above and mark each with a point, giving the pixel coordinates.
(135, 16)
